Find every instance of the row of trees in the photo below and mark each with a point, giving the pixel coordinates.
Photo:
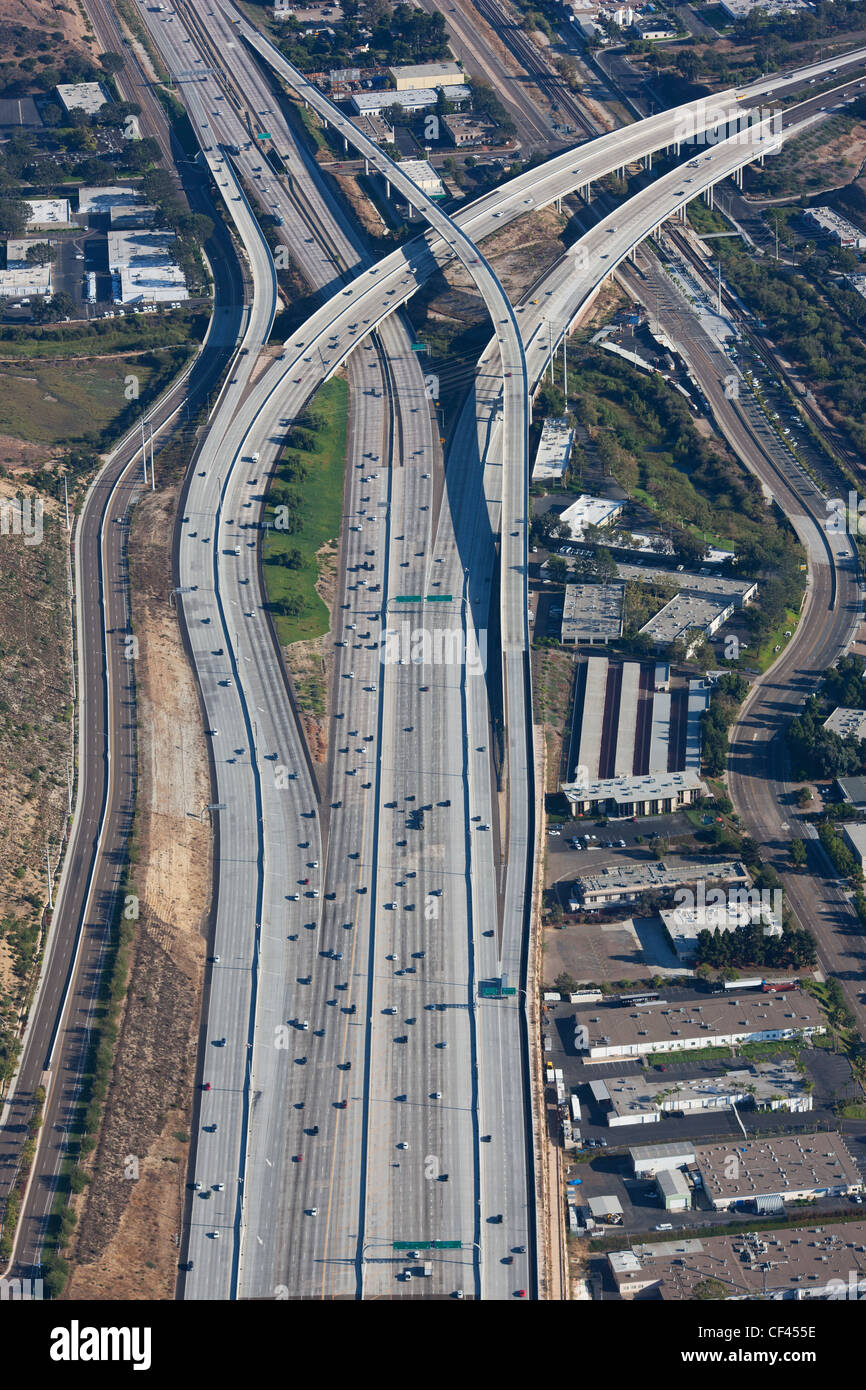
(749, 945)
(728, 694)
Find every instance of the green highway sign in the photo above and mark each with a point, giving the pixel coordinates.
(447, 1245)
(412, 1245)
(439, 598)
(265, 135)
(407, 598)
(419, 347)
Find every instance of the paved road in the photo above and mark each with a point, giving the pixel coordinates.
(96, 850)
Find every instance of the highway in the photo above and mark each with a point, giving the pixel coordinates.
(362, 1199)
(344, 1204)
(57, 1034)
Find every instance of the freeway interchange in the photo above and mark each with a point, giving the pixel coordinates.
(355, 1092)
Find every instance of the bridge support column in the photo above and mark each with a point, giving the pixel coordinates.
(387, 188)
(366, 165)
(345, 145)
(559, 205)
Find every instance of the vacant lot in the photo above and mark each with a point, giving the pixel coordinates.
(48, 403)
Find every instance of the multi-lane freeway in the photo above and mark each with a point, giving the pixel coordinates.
(354, 1090)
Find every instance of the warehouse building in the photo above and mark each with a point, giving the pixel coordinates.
(82, 96)
(592, 613)
(410, 76)
(21, 279)
(420, 99)
(626, 883)
(637, 1100)
(719, 1022)
(142, 268)
(674, 1189)
(830, 224)
(820, 1262)
(647, 1160)
(853, 790)
(424, 176)
(790, 1168)
(554, 451)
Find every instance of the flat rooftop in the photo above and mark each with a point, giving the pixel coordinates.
(92, 200)
(422, 173)
(748, 1264)
(139, 247)
(47, 212)
(590, 511)
(691, 1024)
(636, 878)
(650, 786)
(554, 449)
(636, 1095)
(688, 582)
(592, 612)
(683, 613)
(427, 74)
(415, 98)
(82, 96)
(845, 722)
(778, 1164)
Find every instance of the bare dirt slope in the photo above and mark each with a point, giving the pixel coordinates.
(126, 1242)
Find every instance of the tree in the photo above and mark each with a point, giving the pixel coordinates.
(41, 253)
(110, 63)
(557, 569)
(13, 217)
(565, 983)
(550, 400)
(798, 853)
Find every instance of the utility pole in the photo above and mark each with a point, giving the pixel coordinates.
(66, 501)
(50, 888)
(152, 474)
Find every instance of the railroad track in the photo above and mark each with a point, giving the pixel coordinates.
(546, 79)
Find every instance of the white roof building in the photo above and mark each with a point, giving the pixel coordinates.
(554, 450)
(25, 280)
(590, 511)
(683, 924)
(49, 212)
(411, 76)
(98, 200)
(424, 176)
(82, 96)
(847, 721)
(832, 225)
(142, 267)
(419, 99)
